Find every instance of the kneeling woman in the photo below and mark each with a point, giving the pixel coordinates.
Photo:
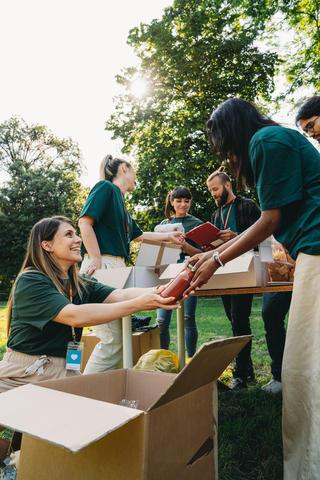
(51, 302)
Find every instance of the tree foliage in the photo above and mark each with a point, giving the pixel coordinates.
(303, 63)
(43, 181)
(198, 54)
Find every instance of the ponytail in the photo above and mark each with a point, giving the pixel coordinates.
(109, 167)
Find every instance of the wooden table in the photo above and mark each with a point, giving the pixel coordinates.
(219, 292)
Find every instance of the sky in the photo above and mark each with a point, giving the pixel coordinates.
(59, 60)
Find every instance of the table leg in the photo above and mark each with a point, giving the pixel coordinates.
(127, 342)
(180, 336)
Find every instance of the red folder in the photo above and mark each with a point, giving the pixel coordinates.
(204, 234)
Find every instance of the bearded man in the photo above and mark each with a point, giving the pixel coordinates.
(233, 216)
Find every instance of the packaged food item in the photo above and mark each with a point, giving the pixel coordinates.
(169, 227)
(281, 269)
(177, 286)
(129, 403)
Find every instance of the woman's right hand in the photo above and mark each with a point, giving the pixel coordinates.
(95, 264)
(151, 301)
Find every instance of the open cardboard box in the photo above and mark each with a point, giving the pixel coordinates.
(244, 271)
(152, 259)
(74, 428)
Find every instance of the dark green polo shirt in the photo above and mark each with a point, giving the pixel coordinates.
(188, 222)
(231, 224)
(286, 169)
(113, 225)
(36, 303)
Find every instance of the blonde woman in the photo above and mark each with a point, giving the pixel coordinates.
(107, 229)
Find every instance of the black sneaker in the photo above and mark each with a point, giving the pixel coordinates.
(237, 383)
(251, 378)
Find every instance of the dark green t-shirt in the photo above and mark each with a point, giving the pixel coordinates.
(36, 303)
(189, 222)
(113, 225)
(229, 218)
(286, 169)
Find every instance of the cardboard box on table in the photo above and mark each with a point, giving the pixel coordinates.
(244, 271)
(74, 428)
(142, 342)
(152, 259)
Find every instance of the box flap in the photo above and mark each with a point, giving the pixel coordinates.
(114, 277)
(63, 419)
(172, 271)
(154, 254)
(238, 265)
(205, 367)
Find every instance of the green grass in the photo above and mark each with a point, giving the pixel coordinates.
(249, 421)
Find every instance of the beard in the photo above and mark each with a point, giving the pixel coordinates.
(223, 199)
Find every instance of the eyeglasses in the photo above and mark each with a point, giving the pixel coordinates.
(309, 128)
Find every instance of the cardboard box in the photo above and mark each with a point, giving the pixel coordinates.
(89, 340)
(125, 277)
(244, 271)
(154, 253)
(142, 342)
(74, 428)
(152, 260)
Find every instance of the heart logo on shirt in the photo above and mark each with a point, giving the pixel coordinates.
(74, 356)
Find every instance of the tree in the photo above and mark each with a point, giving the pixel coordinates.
(301, 61)
(198, 54)
(303, 65)
(44, 181)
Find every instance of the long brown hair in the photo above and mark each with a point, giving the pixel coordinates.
(37, 259)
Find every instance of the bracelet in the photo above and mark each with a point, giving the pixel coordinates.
(216, 257)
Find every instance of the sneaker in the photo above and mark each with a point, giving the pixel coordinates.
(251, 378)
(237, 383)
(272, 387)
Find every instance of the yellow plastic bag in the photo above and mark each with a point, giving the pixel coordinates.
(158, 361)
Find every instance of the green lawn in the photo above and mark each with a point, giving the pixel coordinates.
(249, 421)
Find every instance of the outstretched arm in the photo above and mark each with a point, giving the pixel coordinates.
(206, 265)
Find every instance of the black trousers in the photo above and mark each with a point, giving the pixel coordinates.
(275, 307)
(238, 310)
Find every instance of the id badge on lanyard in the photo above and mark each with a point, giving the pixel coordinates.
(74, 350)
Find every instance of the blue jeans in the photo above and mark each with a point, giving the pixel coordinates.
(190, 326)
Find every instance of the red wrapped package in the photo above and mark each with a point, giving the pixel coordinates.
(179, 284)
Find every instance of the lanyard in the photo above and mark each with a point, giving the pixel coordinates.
(126, 217)
(72, 328)
(225, 223)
